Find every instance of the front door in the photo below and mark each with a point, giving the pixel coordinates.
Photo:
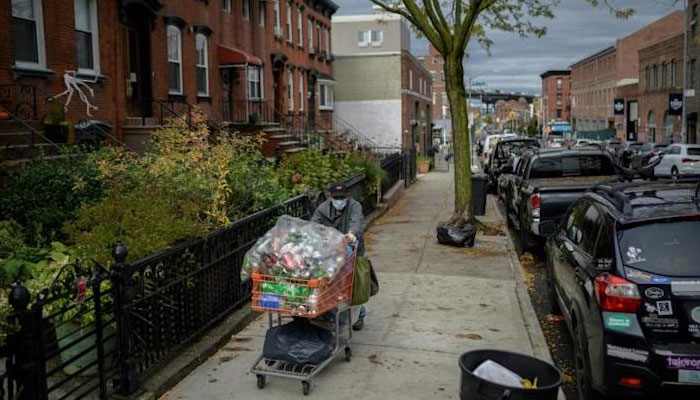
(138, 62)
(278, 76)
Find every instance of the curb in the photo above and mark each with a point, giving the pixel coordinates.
(193, 355)
(531, 322)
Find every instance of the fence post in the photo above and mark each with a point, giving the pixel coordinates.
(123, 294)
(29, 366)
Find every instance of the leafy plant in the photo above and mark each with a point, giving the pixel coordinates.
(312, 169)
(422, 159)
(11, 238)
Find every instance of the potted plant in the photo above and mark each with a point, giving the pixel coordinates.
(56, 128)
(423, 163)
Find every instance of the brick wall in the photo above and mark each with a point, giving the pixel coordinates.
(416, 104)
(550, 90)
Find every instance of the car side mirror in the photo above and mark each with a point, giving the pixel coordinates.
(547, 228)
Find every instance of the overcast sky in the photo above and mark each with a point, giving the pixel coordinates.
(577, 31)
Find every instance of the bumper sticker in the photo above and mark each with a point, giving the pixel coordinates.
(664, 307)
(688, 376)
(681, 362)
(618, 321)
(628, 353)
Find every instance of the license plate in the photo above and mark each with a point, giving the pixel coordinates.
(688, 376)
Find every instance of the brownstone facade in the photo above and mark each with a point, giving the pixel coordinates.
(556, 101)
(435, 65)
(150, 57)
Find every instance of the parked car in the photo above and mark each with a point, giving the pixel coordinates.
(679, 159)
(626, 151)
(623, 270)
(489, 144)
(612, 146)
(646, 152)
(502, 153)
(555, 142)
(549, 182)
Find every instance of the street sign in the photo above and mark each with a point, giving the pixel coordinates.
(675, 104)
(619, 107)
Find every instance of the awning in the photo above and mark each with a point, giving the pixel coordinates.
(229, 56)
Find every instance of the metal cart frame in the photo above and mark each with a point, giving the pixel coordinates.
(264, 367)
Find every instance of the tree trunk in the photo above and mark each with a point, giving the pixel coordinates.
(454, 80)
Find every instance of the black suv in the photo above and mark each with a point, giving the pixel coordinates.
(624, 270)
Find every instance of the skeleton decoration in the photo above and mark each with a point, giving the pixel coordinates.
(74, 84)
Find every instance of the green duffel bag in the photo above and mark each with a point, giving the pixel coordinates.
(362, 282)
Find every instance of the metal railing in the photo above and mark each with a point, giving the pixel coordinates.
(392, 165)
(23, 144)
(158, 112)
(248, 111)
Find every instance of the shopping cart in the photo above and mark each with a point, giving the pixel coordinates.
(325, 301)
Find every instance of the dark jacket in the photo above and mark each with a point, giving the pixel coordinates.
(350, 219)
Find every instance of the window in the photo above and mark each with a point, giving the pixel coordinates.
(325, 96)
(86, 39)
(300, 31)
(656, 76)
(202, 65)
(691, 72)
(289, 23)
(227, 5)
(560, 83)
(174, 60)
(651, 127)
(301, 91)
(246, 10)
(290, 90)
(318, 36)
(328, 41)
(362, 38)
(377, 38)
(310, 33)
(410, 79)
(664, 75)
(558, 113)
(672, 74)
(28, 33)
(559, 98)
(647, 77)
(255, 81)
(276, 15)
(261, 12)
(420, 85)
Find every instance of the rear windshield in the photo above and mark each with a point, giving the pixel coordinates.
(505, 149)
(693, 151)
(635, 146)
(667, 248)
(574, 165)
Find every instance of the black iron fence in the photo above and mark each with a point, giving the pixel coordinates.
(392, 165)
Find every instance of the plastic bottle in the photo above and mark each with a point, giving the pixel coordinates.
(313, 301)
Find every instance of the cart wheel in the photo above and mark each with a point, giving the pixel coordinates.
(306, 387)
(348, 354)
(261, 381)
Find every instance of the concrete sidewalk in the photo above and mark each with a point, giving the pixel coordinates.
(435, 302)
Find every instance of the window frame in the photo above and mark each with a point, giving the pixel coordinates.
(38, 10)
(95, 39)
(277, 31)
(204, 66)
(310, 34)
(259, 82)
(175, 29)
(289, 23)
(410, 79)
(227, 6)
(365, 38)
(300, 27)
(327, 88)
(328, 41)
(262, 9)
(290, 90)
(378, 42)
(245, 10)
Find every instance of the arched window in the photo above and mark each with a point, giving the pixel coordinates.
(174, 60)
(668, 127)
(651, 127)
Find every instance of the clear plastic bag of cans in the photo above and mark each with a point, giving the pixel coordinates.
(296, 248)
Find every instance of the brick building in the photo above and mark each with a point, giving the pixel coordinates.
(238, 60)
(661, 73)
(556, 100)
(692, 103)
(435, 64)
(597, 79)
(382, 89)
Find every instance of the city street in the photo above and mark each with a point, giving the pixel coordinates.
(435, 302)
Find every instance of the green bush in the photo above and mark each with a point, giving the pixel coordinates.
(11, 238)
(43, 194)
(312, 169)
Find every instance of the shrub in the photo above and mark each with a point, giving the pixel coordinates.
(312, 169)
(43, 194)
(11, 238)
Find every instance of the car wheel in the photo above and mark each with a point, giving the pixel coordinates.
(674, 174)
(583, 370)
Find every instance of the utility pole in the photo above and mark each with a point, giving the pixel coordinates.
(684, 121)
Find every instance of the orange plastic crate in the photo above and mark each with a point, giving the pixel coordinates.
(330, 293)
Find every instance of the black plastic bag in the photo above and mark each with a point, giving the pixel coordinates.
(298, 342)
(458, 236)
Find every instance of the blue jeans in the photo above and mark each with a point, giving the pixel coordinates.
(363, 311)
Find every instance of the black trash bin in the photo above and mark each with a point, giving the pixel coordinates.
(92, 132)
(480, 183)
(474, 388)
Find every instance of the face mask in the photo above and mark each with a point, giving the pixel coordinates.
(339, 204)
